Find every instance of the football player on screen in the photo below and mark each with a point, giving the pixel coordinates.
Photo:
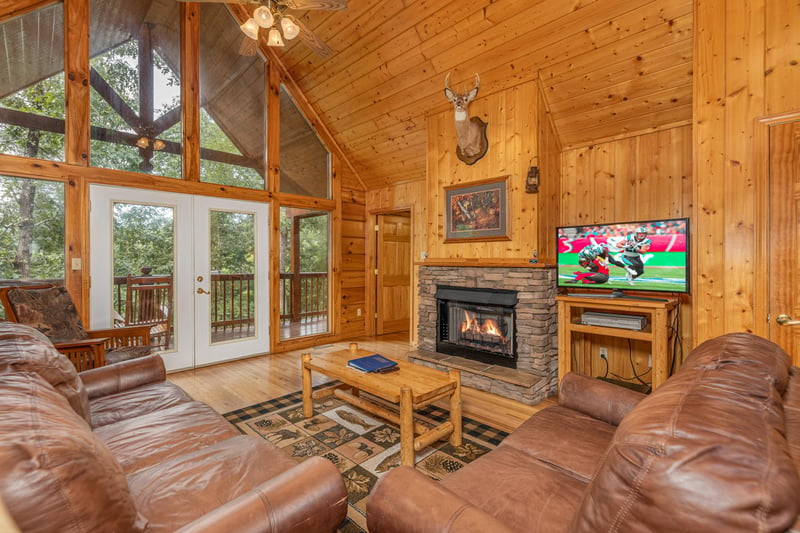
(634, 245)
(593, 257)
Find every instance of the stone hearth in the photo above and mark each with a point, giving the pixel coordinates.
(536, 375)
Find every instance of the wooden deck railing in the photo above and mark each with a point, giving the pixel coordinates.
(303, 296)
(233, 299)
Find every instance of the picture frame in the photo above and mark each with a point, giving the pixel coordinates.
(478, 211)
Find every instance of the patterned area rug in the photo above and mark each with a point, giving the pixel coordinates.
(362, 446)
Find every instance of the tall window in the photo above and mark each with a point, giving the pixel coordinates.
(31, 229)
(233, 99)
(304, 275)
(305, 162)
(32, 84)
(135, 77)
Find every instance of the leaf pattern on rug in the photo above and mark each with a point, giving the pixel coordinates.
(468, 451)
(356, 482)
(307, 448)
(336, 436)
(386, 435)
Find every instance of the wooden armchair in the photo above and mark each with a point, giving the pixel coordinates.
(50, 309)
(149, 302)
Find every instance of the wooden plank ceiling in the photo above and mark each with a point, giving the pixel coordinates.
(607, 68)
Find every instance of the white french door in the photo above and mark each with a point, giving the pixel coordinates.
(214, 250)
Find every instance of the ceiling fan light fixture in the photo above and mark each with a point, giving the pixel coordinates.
(263, 17)
(143, 142)
(275, 38)
(250, 28)
(159, 145)
(290, 29)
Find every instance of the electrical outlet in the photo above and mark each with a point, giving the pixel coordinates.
(604, 353)
(649, 360)
(358, 311)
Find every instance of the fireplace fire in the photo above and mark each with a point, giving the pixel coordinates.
(477, 324)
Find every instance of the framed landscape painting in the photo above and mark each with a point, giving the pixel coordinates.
(477, 212)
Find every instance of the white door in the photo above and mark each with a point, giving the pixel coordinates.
(215, 251)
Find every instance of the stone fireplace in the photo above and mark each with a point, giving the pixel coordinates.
(509, 312)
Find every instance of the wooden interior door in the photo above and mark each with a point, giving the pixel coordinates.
(393, 273)
(784, 232)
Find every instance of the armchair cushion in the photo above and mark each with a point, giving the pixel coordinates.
(49, 310)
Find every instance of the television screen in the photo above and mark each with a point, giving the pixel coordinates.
(650, 255)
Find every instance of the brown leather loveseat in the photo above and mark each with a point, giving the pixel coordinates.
(715, 448)
(119, 448)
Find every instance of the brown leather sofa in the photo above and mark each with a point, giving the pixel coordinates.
(715, 448)
(119, 448)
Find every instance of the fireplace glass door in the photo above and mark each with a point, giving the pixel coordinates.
(480, 331)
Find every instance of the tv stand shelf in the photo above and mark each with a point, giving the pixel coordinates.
(574, 350)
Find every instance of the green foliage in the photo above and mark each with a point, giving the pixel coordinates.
(314, 239)
(143, 236)
(232, 242)
(47, 249)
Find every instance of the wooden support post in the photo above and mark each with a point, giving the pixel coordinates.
(406, 427)
(308, 404)
(455, 408)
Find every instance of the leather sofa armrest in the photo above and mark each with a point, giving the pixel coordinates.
(309, 498)
(597, 398)
(125, 375)
(406, 500)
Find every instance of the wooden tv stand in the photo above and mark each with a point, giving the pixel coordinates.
(572, 334)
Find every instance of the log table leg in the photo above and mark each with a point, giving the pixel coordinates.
(455, 408)
(308, 404)
(406, 427)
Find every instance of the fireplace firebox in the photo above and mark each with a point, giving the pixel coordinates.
(477, 324)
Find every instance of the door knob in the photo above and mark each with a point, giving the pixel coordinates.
(200, 290)
(786, 320)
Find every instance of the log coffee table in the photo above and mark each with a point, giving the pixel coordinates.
(412, 387)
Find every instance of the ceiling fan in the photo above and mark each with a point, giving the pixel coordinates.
(275, 16)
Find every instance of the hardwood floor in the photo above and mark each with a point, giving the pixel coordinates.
(237, 384)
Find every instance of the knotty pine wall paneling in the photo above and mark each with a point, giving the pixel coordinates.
(351, 262)
(745, 68)
(513, 147)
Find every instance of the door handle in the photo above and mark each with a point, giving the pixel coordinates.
(200, 290)
(786, 320)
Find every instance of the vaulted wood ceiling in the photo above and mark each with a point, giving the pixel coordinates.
(607, 68)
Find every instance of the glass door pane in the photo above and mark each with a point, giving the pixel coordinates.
(143, 258)
(232, 266)
(231, 280)
(304, 272)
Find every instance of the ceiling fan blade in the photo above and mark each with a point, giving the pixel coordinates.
(315, 4)
(311, 39)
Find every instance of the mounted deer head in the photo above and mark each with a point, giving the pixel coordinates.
(470, 131)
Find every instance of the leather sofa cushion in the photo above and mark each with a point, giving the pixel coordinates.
(55, 474)
(176, 492)
(705, 452)
(144, 441)
(24, 349)
(135, 402)
(518, 490)
(565, 439)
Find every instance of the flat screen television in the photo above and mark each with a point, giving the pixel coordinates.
(641, 255)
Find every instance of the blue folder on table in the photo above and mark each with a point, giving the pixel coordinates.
(372, 363)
